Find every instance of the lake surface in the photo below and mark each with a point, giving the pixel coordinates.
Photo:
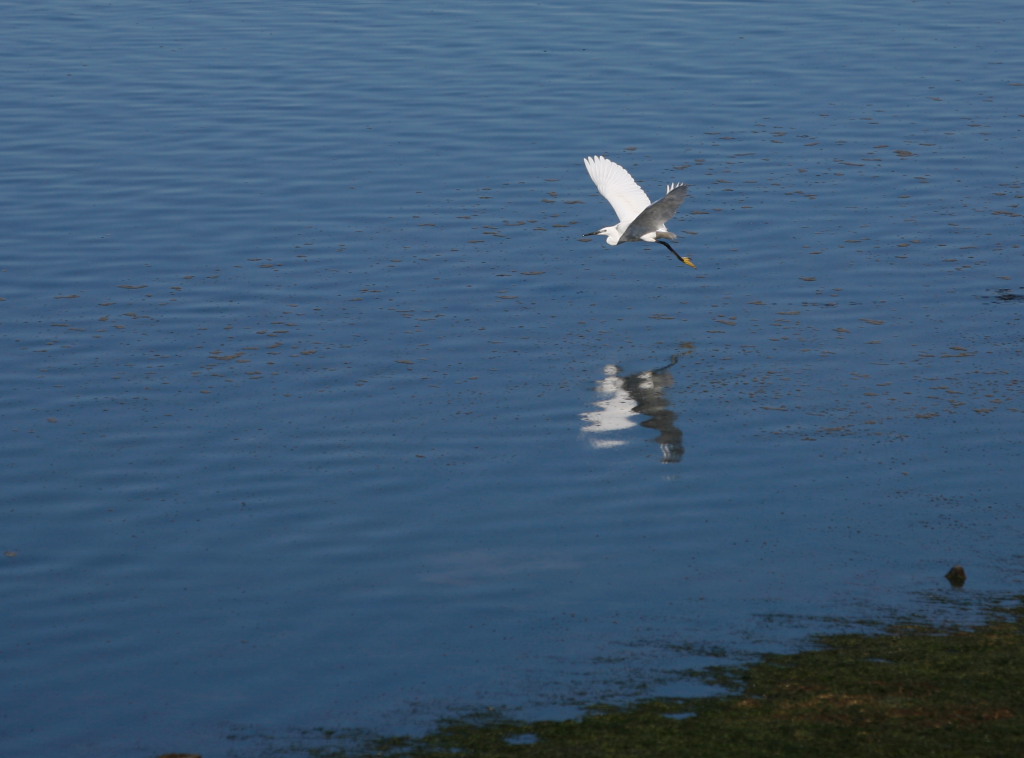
(319, 411)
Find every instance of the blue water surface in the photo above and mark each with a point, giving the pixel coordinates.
(318, 410)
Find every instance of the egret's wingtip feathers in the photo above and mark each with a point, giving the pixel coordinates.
(617, 187)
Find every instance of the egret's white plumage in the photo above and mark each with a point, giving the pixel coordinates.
(640, 220)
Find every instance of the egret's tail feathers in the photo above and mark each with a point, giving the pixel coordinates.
(658, 234)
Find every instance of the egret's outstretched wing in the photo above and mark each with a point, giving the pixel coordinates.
(657, 215)
(618, 187)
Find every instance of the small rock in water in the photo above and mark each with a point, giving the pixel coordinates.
(957, 576)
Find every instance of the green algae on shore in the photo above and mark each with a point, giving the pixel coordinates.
(913, 690)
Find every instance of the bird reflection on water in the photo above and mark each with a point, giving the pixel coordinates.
(623, 397)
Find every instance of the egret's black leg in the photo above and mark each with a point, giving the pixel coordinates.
(684, 259)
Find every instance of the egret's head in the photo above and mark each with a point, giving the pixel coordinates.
(611, 232)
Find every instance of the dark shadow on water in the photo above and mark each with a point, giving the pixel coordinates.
(622, 397)
(1007, 295)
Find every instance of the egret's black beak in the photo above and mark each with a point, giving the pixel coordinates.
(591, 234)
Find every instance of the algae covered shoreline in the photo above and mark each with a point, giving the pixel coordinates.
(911, 688)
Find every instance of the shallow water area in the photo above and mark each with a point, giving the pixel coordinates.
(319, 411)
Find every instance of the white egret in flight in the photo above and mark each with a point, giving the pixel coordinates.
(640, 220)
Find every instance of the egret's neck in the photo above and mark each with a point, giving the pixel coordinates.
(612, 233)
